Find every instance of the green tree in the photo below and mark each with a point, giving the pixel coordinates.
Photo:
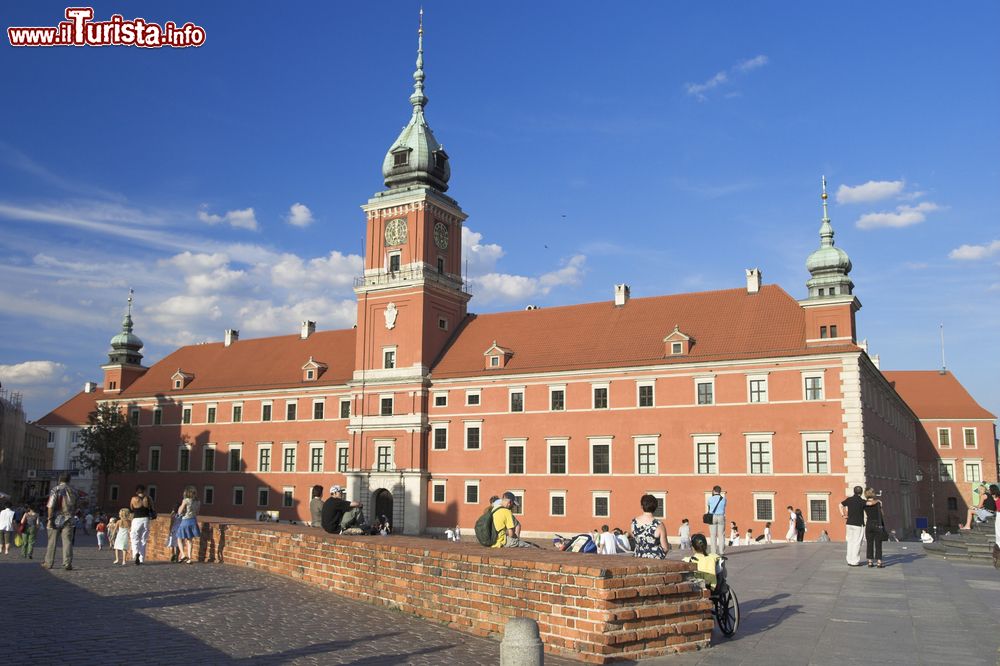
(109, 444)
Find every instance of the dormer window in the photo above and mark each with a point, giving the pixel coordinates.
(178, 384)
(676, 348)
(310, 374)
(677, 343)
(497, 356)
(180, 379)
(494, 361)
(401, 158)
(440, 160)
(312, 370)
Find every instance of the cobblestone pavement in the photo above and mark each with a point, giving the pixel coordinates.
(101, 613)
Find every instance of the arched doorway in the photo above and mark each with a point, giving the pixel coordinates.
(382, 505)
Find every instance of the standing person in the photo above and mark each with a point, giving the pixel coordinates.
(60, 506)
(102, 534)
(685, 534)
(316, 507)
(852, 510)
(29, 521)
(790, 534)
(716, 506)
(734, 534)
(174, 541)
(767, 532)
(188, 530)
(874, 523)
(88, 523)
(800, 526)
(607, 545)
(748, 539)
(7, 527)
(141, 507)
(649, 533)
(122, 529)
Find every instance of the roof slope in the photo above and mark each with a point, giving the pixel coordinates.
(73, 412)
(932, 394)
(724, 325)
(260, 363)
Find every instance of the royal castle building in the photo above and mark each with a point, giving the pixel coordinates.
(424, 410)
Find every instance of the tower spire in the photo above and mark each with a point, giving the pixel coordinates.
(418, 99)
(826, 228)
(828, 265)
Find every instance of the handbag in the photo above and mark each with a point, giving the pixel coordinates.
(708, 517)
(18, 540)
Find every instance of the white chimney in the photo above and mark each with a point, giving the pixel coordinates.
(754, 278)
(89, 387)
(308, 328)
(621, 294)
(232, 335)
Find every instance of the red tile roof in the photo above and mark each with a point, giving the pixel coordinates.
(262, 363)
(73, 412)
(723, 325)
(933, 395)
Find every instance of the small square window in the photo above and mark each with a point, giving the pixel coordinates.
(472, 398)
(557, 505)
(494, 361)
(441, 400)
(602, 506)
(385, 408)
(706, 393)
(442, 323)
(310, 374)
(645, 395)
(676, 348)
(953, 504)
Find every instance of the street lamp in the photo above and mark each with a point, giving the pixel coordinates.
(920, 477)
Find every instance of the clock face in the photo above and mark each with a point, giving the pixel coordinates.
(395, 231)
(441, 235)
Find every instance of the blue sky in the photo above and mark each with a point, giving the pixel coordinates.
(666, 145)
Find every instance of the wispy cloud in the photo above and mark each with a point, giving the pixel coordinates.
(700, 90)
(16, 159)
(975, 252)
(873, 190)
(299, 215)
(903, 216)
(238, 219)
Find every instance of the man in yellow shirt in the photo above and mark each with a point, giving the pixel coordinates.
(506, 525)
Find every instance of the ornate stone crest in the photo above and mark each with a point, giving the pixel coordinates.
(390, 316)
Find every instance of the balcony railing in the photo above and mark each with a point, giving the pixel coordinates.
(409, 274)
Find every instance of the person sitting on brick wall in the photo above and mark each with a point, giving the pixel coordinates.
(508, 528)
(338, 513)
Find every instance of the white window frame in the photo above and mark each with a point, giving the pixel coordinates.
(661, 500)
(676, 348)
(770, 497)
(205, 495)
(232, 412)
(134, 414)
(813, 374)
(465, 491)
(211, 446)
(392, 401)
(159, 459)
(478, 393)
(230, 447)
(265, 489)
(289, 446)
(312, 414)
(190, 414)
(707, 438)
(443, 323)
(757, 377)
(443, 485)
(640, 440)
(975, 438)
(340, 408)
(704, 380)
(466, 425)
(760, 437)
(310, 374)
(208, 408)
(440, 394)
(186, 447)
(435, 427)
(978, 464)
(510, 399)
(824, 437)
(494, 361)
(594, 496)
(321, 446)
(266, 403)
(552, 389)
(810, 497)
(287, 403)
(552, 495)
(639, 385)
(391, 445)
(600, 441)
(593, 397)
(342, 446)
(938, 443)
(244, 498)
(270, 458)
(510, 444)
(388, 260)
(519, 494)
(549, 443)
(390, 349)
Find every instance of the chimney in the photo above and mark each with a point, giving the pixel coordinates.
(232, 335)
(754, 278)
(621, 294)
(89, 387)
(308, 328)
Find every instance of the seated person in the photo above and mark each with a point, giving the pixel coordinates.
(708, 563)
(339, 514)
(926, 537)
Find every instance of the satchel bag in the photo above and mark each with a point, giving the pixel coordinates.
(708, 518)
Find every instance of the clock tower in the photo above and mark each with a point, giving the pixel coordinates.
(411, 299)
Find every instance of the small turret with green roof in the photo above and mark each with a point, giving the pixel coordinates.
(126, 345)
(829, 265)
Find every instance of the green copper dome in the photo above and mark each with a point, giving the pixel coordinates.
(126, 345)
(829, 265)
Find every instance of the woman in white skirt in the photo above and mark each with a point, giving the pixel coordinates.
(142, 508)
(121, 537)
(188, 530)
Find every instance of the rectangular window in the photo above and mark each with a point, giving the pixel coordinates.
(708, 457)
(440, 268)
(442, 322)
(706, 392)
(288, 458)
(265, 411)
(440, 399)
(186, 415)
(602, 504)
(645, 395)
(557, 457)
(600, 397)
(472, 398)
(157, 416)
(822, 332)
(263, 496)
(345, 409)
(290, 410)
(113, 493)
(151, 491)
(287, 497)
(661, 504)
(517, 401)
(947, 471)
(944, 438)
(600, 457)
(384, 458)
(760, 457)
(646, 457)
(316, 458)
(757, 389)
(235, 458)
(763, 507)
(519, 508)
(494, 361)
(515, 458)
(264, 459)
(817, 457)
(818, 510)
(238, 496)
(342, 457)
(385, 406)
(184, 459)
(833, 330)
(210, 417)
(814, 388)
(208, 495)
(134, 417)
(557, 503)
(389, 359)
(973, 473)
(969, 437)
(472, 492)
(154, 459)
(438, 492)
(472, 437)
(394, 262)
(209, 460)
(557, 399)
(440, 438)
(237, 413)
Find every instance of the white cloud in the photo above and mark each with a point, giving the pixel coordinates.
(973, 252)
(699, 90)
(238, 219)
(904, 216)
(338, 270)
(30, 372)
(196, 262)
(506, 287)
(482, 258)
(299, 215)
(751, 64)
(263, 317)
(873, 190)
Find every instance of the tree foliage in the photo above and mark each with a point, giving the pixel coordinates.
(109, 444)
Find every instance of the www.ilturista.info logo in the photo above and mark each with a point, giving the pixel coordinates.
(81, 30)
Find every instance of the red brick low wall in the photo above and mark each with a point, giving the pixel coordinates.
(596, 608)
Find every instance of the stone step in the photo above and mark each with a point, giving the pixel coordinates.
(952, 550)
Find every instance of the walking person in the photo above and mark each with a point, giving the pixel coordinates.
(790, 534)
(874, 524)
(122, 528)
(60, 506)
(800, 526)
(685, 534)
(7, 527)
(716, 506)
(141, 507)
(29, 522)
(852, 510)
(649, 533)
(102, 534)
(188, 530)
(173, 541)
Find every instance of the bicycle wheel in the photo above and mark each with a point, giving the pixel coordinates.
(727, 613)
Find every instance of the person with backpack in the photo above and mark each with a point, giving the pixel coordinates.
(29, 521)
(61, 507)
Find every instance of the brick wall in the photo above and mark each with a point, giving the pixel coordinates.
(596, 608)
